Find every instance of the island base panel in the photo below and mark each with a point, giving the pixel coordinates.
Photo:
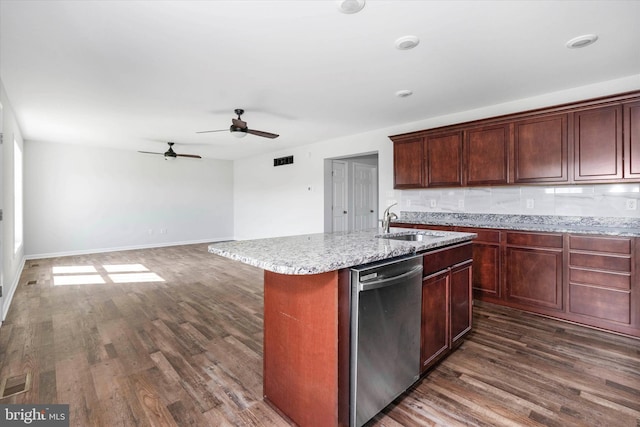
(302, 360)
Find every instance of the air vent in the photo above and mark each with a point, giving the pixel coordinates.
(283, 161)
(15, 385)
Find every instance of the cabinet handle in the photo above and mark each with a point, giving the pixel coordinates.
(371, 210)
(344, 212)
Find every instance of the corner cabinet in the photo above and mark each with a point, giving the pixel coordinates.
(593, 141)
(446, 302)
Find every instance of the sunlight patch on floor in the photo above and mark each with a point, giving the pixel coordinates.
(116, 273)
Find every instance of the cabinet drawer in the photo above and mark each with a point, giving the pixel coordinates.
(535, 239)
(484, 235)
(600, 244)
(600, 303)
(599, 261)
(600, 278)
(439, 260)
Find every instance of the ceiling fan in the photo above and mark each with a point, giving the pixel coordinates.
(170, 154)
(239, 128)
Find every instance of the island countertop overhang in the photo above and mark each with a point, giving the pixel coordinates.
(323, 252)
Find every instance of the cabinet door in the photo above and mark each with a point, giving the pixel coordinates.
(534, 269)
(486, 152)
(632, 140)
(597, 141)
(461, 306)
(486, 273)
(444, 160)
(408, 163)
(540, 149)
(435, 319)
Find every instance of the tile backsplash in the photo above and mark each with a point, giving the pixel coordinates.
(617, 200)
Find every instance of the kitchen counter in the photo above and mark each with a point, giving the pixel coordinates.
(323, 252)
(611, 226)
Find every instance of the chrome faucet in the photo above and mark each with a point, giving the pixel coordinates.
(387, 217)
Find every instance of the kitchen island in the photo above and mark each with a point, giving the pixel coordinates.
(307, 313)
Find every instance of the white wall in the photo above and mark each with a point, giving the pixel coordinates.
(12, 261)
(85, 199)
(272, 201)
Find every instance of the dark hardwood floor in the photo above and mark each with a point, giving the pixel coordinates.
(187, 351)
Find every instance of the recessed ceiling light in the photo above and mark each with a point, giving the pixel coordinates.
(350, 6)
(404, 93)
(407, 42)
(581, 41)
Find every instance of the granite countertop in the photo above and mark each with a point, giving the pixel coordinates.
(611, 226)
(322, 252)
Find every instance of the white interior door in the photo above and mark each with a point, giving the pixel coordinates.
(340, 196)
(365, 193)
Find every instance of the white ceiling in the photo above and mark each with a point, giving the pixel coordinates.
(134, 74)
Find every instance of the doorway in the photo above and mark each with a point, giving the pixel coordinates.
(351, 195)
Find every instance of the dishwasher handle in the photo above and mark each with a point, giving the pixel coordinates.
(390, 281)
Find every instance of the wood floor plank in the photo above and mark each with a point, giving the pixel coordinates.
(188, 352)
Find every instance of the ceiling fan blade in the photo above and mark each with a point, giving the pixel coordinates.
(209, 131)
(149, 152)
(239, 123)
(193, 156)
(262, 133)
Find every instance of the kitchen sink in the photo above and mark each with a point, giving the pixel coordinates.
(411, 236)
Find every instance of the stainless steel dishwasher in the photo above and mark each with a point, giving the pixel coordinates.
(385, 334)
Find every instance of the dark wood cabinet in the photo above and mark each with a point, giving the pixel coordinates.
(540, 150)
(593, 280)
(487, 262)
(443, 167)
(486, 154)
(461, 306)
(446, 302)
(408, 163)
(632, 140)
(590, 141)
(434, 340)
(533, 269)
(597, 144)
(600, 279)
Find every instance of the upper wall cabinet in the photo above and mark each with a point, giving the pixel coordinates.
(632, 140)
(408, 163)
(591, 141)
(443, 167)
(540, 150)
(597, 144)
(486, 154)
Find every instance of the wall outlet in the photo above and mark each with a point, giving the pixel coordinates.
(407, 202)
(530, 203)
(150, 231)
(163, 231)
(461, 204)
(432, 203)
(631, 204)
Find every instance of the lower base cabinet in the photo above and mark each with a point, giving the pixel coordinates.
(446, 302)
(593, 280)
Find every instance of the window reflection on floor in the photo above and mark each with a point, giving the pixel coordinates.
(115, 273)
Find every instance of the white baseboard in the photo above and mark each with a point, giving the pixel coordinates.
(124, 248)
(6, 302)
